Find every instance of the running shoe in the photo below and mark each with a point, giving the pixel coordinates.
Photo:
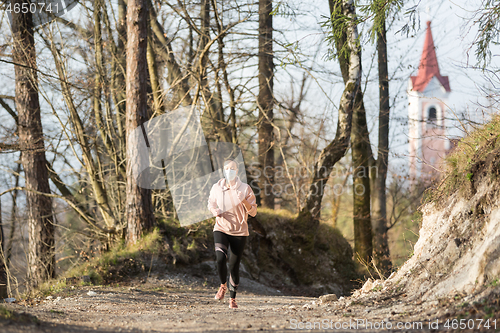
(221, 292)
(232, 303)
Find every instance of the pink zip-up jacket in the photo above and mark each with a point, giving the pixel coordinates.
(233, 220)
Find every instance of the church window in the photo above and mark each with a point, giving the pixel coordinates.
(432, 114)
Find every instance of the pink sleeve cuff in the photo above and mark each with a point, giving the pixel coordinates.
(252, 201)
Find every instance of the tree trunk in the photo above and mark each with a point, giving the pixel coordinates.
(13, 217)
(265, 103)
(3, 259)
(119, 72)
(100, 84)
(212, 120)
(361, 153)
(381, 257)
(222, 66)
(140, 217)
(158, 108)
(337, 148)
(41, 259)
(336, 203)
(175, 78)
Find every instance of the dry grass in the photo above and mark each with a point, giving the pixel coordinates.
(467, 161)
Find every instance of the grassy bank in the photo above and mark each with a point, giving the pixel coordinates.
(477, 155)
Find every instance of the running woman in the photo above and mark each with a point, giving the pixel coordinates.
(230, 201)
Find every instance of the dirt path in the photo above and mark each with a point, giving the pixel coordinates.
(116, 310)
(176, 303)
(179, 303)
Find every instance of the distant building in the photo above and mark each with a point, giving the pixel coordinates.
(428, 93)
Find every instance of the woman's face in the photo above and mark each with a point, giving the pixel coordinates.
(232, 166)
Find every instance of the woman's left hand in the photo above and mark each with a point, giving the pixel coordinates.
(240, 195)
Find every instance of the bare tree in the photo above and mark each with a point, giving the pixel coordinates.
(3, 260)
(13, 213)
(41, 259)
(381, 257)
(266, 103)
(89, 162)
(139, 207)
(336, 149)
(361, 154)
(360, 146)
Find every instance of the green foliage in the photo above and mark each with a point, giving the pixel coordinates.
(52, 286)
(378, 11)
(493, 283)
(284, 9)
(412, 21)
(267, 215)
(488, 20)
(464, 304)
(292, 56)
(178, 250)
(5, 314)
(192, 246)
(56, 311)
(337, 26)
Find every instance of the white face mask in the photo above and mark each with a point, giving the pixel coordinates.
(230, 174)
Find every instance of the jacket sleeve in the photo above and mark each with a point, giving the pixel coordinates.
(252, 201)
(212, 201)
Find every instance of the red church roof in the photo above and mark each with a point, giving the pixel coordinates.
(428, 67)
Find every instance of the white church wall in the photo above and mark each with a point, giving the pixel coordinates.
(414, 129)
(426, 139)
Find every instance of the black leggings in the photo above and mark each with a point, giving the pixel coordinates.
(237, 244)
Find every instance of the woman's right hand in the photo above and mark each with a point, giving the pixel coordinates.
(217, 212)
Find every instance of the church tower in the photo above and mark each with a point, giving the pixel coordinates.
(428, 93)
